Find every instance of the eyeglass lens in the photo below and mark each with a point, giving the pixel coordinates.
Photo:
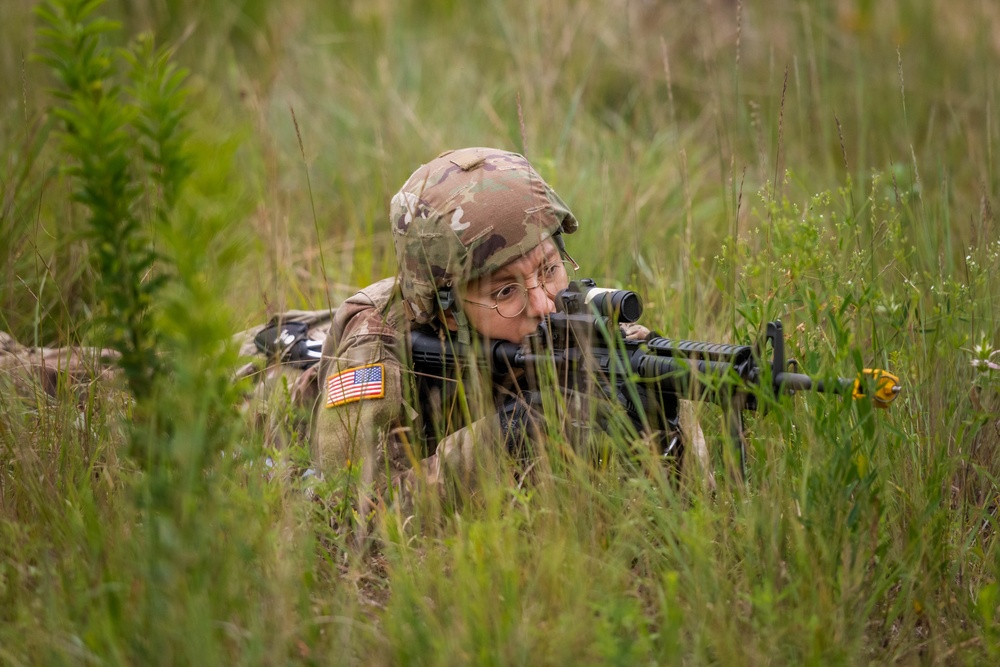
(512, 299)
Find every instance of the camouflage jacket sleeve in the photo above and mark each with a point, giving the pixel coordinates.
(363, 413)
(361, 406)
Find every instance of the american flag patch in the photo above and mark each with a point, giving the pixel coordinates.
(355, 384)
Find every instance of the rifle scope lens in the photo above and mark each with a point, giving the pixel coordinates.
(621, 304)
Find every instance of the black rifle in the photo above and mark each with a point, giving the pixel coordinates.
(581, 345)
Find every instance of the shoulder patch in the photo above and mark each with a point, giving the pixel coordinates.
(355, 384)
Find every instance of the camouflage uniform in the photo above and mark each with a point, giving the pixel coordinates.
(462, 216)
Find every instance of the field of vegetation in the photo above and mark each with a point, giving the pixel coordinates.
(174, 171)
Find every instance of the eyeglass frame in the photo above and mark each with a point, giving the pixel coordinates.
(565, 262)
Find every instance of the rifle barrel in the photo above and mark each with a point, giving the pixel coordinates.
(798, 381)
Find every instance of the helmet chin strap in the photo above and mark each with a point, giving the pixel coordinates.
(449, 303)
(464, 328)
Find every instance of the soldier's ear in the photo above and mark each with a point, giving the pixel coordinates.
(447, 301)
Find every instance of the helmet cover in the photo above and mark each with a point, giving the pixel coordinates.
(464, 215)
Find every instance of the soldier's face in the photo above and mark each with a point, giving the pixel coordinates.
(531, 280)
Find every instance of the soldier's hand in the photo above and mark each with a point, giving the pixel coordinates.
(633, 331)
(520, 424)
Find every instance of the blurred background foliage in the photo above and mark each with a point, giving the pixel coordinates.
(831, 163)
(653, 119)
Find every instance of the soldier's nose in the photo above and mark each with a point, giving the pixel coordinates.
(539, 303)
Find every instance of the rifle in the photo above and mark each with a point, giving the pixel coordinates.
(582, 347)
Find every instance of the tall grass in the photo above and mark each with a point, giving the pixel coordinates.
(833, 164)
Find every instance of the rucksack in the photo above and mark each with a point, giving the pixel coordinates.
(282, 372)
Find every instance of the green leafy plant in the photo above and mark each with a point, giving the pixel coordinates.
(860, 537)
(98, 137)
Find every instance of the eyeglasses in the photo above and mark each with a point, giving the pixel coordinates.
(511, 299)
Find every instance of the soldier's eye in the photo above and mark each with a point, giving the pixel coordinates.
(552, 271)
(508, 292)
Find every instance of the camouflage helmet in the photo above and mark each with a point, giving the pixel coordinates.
(464, 215)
